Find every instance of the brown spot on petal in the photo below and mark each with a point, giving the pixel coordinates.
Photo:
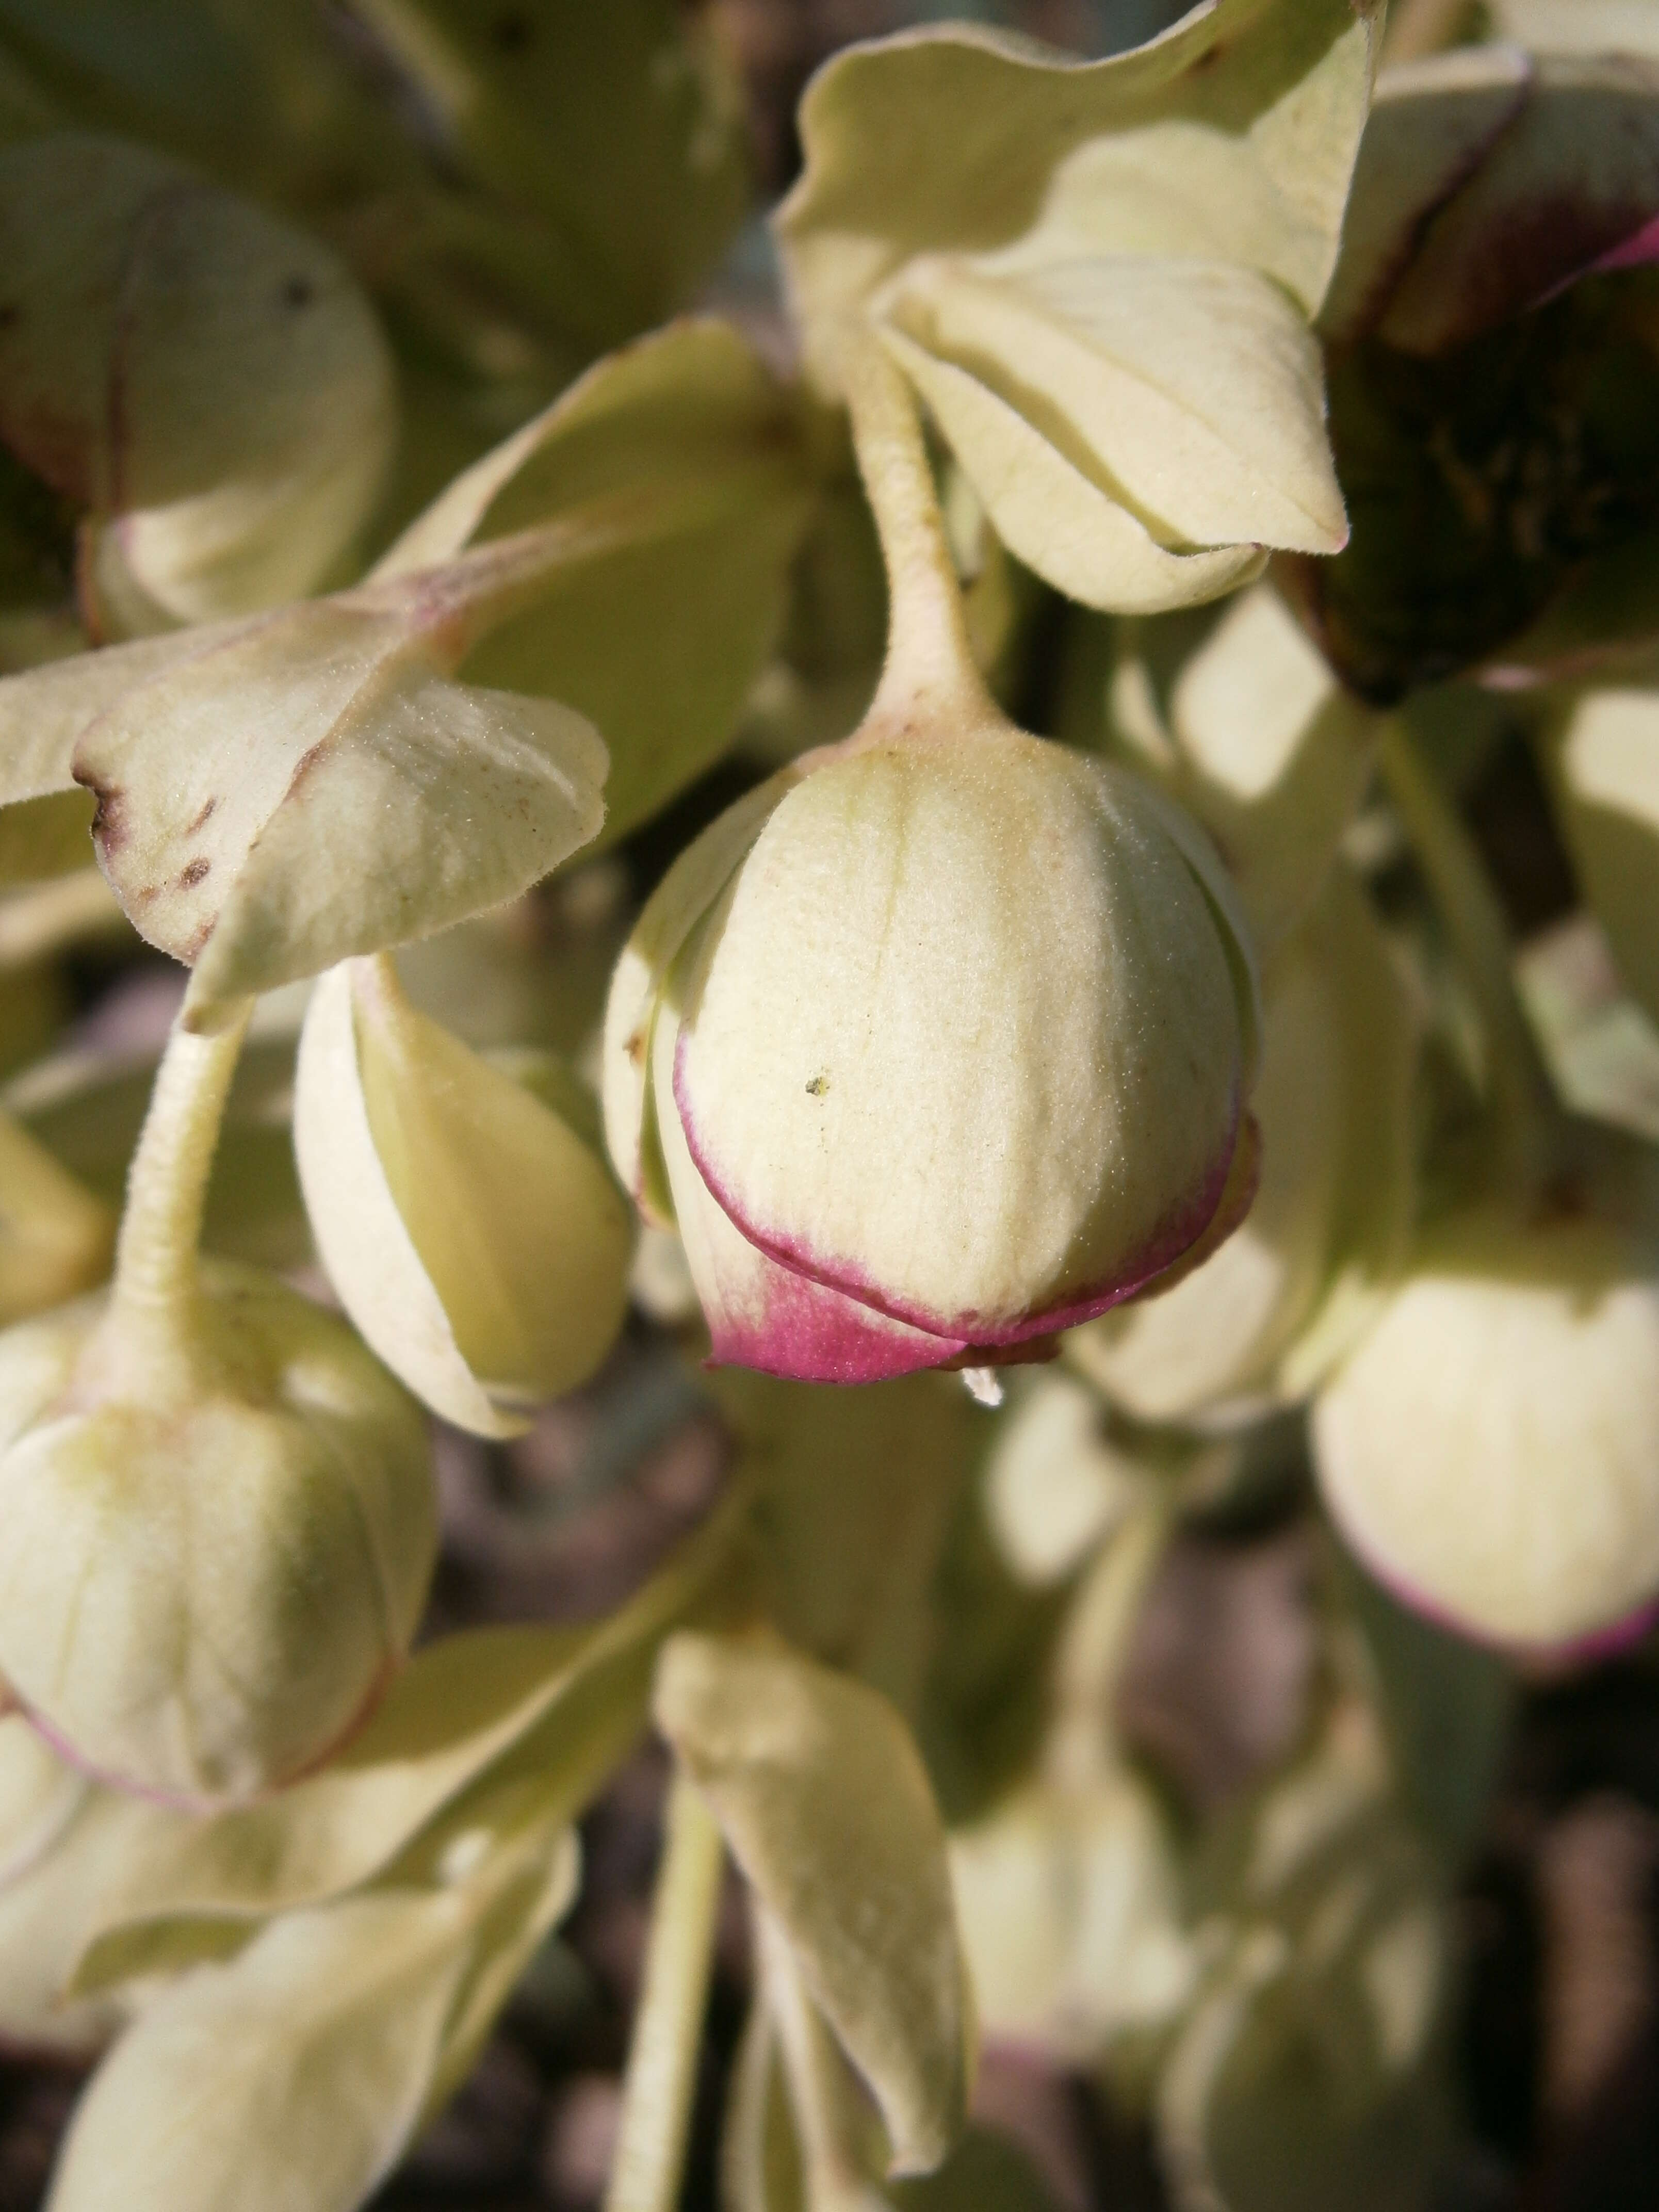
(307, 762)
(193, 872)
(109, 824)
(202, 819)
(636, 1048)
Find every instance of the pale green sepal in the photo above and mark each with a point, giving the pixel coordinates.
(361, 1239)
(1231, 137)
(695, 450)
(287, 794)
(78, 1842)
(295, 2074)
(182, 360)
(43, 711)
(1253, 734)
(477, 1242)
(826, 1805)
(1436, 121)
(1190, 391)
(1057, 519)
(673, 913)
(1261, 1321)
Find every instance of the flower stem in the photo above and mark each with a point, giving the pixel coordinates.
(156, 1253)
(662, 2057)
(1527, 1118)
(1096, 1643)
(928, 649)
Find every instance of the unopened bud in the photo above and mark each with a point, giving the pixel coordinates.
(471, 1226)
(1491, 1449)
(217, 1548)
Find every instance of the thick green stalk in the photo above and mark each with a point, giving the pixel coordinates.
(930, 657)
(153, 1300)
(662, 2057)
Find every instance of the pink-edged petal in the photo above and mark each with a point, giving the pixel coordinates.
(760, 1313)
(1185, 1227)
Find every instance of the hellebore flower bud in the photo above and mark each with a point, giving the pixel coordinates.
(938, 1041)
(219, 1515)
(1491, 1449)
(471, 1228)
(1260, 1322)
(952, 1056)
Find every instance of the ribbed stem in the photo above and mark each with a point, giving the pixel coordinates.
(662, 2057)
(1526, 1116)
(928, 650)
(156, 1253)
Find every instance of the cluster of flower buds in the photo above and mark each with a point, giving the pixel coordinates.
(366, 556)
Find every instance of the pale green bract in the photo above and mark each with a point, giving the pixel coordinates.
(298, 2072)
(476, 1240)
(210, 384)
(657, 636)
(826, 1810)
(240, 769)
(1124, 371)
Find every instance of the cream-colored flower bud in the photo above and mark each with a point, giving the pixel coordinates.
(939, 1041)
(213, 1564)
(1070, 1906)
(954, 1056)
(56, 1238)
(470, 1226)
(1491, 1449)
(1258, 1323)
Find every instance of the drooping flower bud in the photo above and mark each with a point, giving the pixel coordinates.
(1491, 1449)
(1258, 1322)
(470, 1226)
(219, 1515)
(938, 1041)
(1070, 1904)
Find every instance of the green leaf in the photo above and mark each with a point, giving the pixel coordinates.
(606, 143)
(657, 634)
(826, 1807)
